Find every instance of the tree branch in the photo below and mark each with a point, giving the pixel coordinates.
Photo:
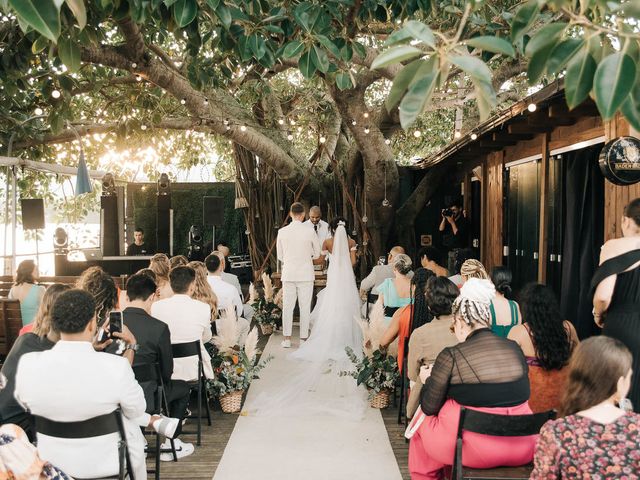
(133, 38)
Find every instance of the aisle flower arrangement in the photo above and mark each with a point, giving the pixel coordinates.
(268, 314)
(234, 367)
(377, 369)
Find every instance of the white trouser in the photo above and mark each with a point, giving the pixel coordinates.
(248, 312)
(302, 291)
(135, 444)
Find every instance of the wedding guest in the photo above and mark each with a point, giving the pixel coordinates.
(202, 291)
(396, 292)
(546, 340)
(472, 268)
(188, 320)
(379, 273)
(103, 289)
(160, 265)
(483, 372)
(26, 290)
(594, 436)
(41, 338)
(178, 261)
(231, 279)
(428, 340)
(505, 313)
(408, 318)
(616, 283)
(431, 258)
(319, 226)
(72, 382)
(224, 249)
(461, 256)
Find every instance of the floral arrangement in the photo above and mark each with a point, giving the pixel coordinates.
(267, 310)
(234, 366)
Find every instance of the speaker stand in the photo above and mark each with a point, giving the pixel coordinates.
(213, 238)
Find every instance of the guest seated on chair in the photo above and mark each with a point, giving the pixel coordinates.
(461, 256)
(595, 436)
(409, 317)
(178, 261)
(202, 290)
(188, 320)
(231, 279)
(154, 342)
(428, 340)
(72, 382)
(379, 273)
(103, 289)
(41, 338)
(483, 372)
(546, 340)
(505, 313)
(396, 292)
(27, 291)
(431, 259)
(161, 266)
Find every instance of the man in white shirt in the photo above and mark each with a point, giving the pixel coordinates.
(227, 294)
(231, 279)
(188, 320)
(298, 249)
(72, 382)
(319, 226)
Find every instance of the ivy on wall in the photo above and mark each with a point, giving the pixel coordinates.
(186, 202)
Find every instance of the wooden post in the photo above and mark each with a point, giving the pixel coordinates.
(544, 195)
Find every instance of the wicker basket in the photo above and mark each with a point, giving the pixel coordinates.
(267, 328)
(380, 399)
(232, 402)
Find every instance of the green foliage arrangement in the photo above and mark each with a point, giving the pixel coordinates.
(377, 372)
(234, 372)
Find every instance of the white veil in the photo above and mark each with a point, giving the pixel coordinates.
(312, 384)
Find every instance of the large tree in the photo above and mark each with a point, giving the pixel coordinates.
(301, 87)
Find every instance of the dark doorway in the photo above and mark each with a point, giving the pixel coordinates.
(476, 217)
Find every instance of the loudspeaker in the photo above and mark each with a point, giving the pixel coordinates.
(213, 211)
(109, 225)
(32, 213)
(163, 224)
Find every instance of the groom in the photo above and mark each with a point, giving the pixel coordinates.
(298, 250)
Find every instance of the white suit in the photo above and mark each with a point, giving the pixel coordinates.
(297, 246)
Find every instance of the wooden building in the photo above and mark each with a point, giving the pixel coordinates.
(530, 179)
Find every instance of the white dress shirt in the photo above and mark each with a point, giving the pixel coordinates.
(70, 383)
(226, 293)
(188, 320)
(232, 279)
(322, 230)
(379, 274)
(297, 246)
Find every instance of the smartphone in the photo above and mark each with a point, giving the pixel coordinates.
(115, 323)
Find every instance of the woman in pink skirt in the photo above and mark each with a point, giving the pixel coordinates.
(483, 372)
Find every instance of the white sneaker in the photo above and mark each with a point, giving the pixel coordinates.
(286, 344)
(182, 450)
(166, 426)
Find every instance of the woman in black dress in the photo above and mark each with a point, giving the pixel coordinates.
(616, 285)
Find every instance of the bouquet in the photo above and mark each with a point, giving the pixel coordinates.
(267, 310)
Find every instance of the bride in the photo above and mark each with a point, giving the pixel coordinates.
(312, 384)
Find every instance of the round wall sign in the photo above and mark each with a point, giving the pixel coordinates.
(620, 161)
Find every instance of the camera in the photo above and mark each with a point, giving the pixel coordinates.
(447, 212)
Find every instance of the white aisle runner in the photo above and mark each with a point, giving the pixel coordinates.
(322, 447)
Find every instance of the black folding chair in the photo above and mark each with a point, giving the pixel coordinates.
(402, 403)
(371, 299)
(150, 372)
(192, 349)
(497, 426)
(92, 427)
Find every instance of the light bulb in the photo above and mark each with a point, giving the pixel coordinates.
(38, 111)
(183, 101)
(143, 126)
(55, 94)
(243, 128)
(281, 122)
(134, 65)
(417, 133)
(532, 107)
(353, 122)
(206, 101)
(228, 127)
(293, 122)
(138, 78)
(457, 134)
(387, 141)
(366, 130)
(366, 115)
(299, 129)
(289, 137)
(322, 139)
(474, 136)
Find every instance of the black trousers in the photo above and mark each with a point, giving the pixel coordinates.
(177, 392)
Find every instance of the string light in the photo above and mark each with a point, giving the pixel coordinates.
(134, 65)
(532, 107)
(55, 94)
(323, 139)
(366, 130)
(387, 141)
(289, 137)
(38, 111)
(474, 136)
(417, 133)
(457, 134)
(299, 129)
(138, 78)
(292, 122)
(225, 121)
(183, 101)
(354, 123)
(366, 115)
(206, 101)
(243, 128)
(143, 126)
(281, 122)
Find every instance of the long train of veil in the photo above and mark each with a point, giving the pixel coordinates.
(312, 384)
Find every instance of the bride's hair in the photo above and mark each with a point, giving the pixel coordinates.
(333, 225)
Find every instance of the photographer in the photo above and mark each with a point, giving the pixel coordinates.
(454, 231)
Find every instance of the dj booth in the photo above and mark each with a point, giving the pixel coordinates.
(114, 266)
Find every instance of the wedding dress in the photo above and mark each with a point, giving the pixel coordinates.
(312, 384)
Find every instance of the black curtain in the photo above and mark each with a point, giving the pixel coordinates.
(583, 236)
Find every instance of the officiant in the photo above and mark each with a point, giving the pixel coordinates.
(319, 226)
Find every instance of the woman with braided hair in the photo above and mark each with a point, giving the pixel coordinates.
(103, 290)
(483, 372)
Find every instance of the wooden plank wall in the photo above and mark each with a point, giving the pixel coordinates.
(492, 174)
(616, 197)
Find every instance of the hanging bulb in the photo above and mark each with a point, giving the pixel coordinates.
(366, 115)
(134, 65)
(532, 107)
(225, 121)
(323, 139)
(206, 101)
(183, 101)
(143, 127)
(56, 94)
(38, 111)
(354, 233)
(386, 203)
(457, 134)
(289, 137)
(299, 129)
(417, 133)
(366, 130)
(247, 232)
(138, 78)
(228, 127)
(292, 122)
(354, 123)
(387, 141)
(281, 122)
(243, 128)
(474, 136)
(365, 219)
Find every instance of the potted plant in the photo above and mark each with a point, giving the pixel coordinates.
(234, 367)
(267, 311)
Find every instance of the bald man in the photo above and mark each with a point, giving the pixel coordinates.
(379, 273)
(317, 224)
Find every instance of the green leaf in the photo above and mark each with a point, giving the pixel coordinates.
(524, 18)
(274, 29)
(562, 53)
(473, 66)
(401, 83)
(346, 52)
(257, 46)
(538, 63)
(69, 53)
(168, 3)
(329, 45)
(41, 15)
(79, 11)
(546, 36)
(631, 107)
(485, 97)
(293, 49)
(359, 49)
(39, 44)
(492, 44)
(224, 15)
(613, 82)
(213, 4)
(343, 81)
(306, 65)
(184, 12)
(320, 58)
(579, 78)
(399, 36)
(420, 31)
(416, 98)
(395, 55)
